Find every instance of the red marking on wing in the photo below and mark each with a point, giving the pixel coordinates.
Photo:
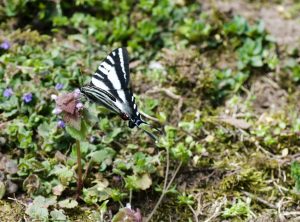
(124, 116)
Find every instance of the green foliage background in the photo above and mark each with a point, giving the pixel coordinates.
(223, 89)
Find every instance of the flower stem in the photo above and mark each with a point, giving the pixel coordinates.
(163, 193)
(79, 170)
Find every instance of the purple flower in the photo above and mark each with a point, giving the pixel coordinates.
(27, 97)
(116, 178)
(57, 111)
(5, 45)
(8, 92)
(77, 93)
(79, 106)
(69, 106)
(59, 86)
(53, 97)
(61, 124)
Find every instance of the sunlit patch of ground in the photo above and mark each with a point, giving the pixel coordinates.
(11, 211)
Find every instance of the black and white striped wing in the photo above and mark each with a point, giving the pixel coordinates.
(113, 72)
(100, 97)
(110, 86)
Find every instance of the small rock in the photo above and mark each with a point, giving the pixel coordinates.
(11, 187)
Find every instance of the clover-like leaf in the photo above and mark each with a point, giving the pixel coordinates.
(58, 215)
(68, 203)
(142, 182)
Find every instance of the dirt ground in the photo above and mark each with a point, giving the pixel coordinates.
(281, 18)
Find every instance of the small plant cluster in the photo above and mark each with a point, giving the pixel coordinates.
(254, 48)
(295, 171)
(8, 168)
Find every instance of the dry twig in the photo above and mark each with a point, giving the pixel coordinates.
(259, 199)
(170, 94)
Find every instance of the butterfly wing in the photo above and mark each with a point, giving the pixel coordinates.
(110, 86)
(100, 97)
(113, 71)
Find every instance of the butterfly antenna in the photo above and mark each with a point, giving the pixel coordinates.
(146, 131)
(150, 135)
(154, 128)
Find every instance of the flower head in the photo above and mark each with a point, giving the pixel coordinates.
(128, 213)
(79, 106)
(59, 86)
(57, 111)
(53, 97)
(69, 106)
(27, 97)
(77, 93)
(5, 45)
(8, 92)
(61, 124)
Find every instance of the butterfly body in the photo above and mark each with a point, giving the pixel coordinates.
(109, 87)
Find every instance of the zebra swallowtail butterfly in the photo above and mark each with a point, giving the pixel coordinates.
(110, 88)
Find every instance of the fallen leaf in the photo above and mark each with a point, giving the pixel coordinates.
(144, 182)
(11, 167)
(58, 189)
(238, 123)
(31, 183)
(68, 203)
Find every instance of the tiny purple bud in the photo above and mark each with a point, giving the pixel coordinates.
(117, 179)
(59, 86)
(61, 124)
(138, 215)
(79, 106)
(128, 205)
(57, 111)
(27, 97)
(8, 92)
(5, 45)
(53, 97)
(77, 93)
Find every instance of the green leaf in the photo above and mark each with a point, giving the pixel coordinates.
(44, 202)
(295, 173)
(38, 209)
(80, 134)
(181, 152)
(2, 190)
(186, 199)
(237, 26)
(60, 21)
(99, 192)
(112, 135)
(257, 61)
(85, 148)
(142, 182)
(38, 213)
(102, 155)
(239, 209)
(65, 175)
(58, 215)
(68, 203)
(24, 137)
